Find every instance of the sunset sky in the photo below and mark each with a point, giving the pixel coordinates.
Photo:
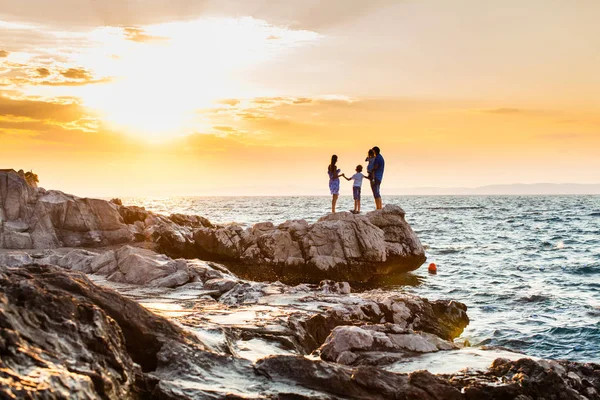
(220, 97)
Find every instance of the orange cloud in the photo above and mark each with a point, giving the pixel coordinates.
(76, 73)
(138, 35)
(229, 102)
(43, 72)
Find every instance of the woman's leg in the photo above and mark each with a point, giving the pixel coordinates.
(333, 201)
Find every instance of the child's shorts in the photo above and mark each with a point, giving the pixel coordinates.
(356, 192)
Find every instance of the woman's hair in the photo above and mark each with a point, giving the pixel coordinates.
(332, 167)
(371, 153)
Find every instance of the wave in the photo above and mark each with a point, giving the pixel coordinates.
(534, 298)
(456, 208)
(449, 251)
(587, 270)
(595, 214)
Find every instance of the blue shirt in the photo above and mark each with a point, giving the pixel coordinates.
(377, 167)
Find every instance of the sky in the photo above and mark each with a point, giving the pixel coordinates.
(205, 97)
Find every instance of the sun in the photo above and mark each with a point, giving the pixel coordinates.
(159, 76)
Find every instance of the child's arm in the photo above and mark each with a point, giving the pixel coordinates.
(364, 176)
(348, 179)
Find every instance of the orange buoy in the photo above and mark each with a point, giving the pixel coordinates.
(432, 268)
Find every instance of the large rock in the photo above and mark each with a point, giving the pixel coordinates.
(371, 343)
(523, 379)
(127, 264)
(442, 318)
(32, 217)
(63, 337)
(340, 246)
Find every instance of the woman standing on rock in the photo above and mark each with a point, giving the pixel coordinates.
(334, 181)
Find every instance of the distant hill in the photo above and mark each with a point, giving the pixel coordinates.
(512, 189)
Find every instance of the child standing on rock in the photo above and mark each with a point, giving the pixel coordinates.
(356, 187)
(370, 159)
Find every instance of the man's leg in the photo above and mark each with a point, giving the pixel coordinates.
(377, 194)
(374, 189)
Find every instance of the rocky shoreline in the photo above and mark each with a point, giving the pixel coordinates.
(100, 300)
(62, 336)
(339, 246)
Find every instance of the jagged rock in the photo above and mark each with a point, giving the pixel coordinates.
(193, 221)
(132, 214)
(352, 344)
(127, 264)
(63, 337)
(445, 319)
(332, 287)
(340, 246)
(49, 219)
(169, 238)
(17, 240)
(220, 285)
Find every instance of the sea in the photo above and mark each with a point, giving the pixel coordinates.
(527, 267)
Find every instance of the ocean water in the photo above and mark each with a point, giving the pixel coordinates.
(527, 267)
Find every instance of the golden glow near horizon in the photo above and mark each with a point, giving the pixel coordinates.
(212, 97)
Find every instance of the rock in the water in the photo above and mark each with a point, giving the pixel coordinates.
(445, 319)
(353, 344)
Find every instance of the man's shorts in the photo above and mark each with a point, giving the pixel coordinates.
(375, 186)
(356, 192)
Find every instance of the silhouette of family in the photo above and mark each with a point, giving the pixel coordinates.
(375, 167)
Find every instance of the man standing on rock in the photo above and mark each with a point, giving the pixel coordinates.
(376, 171)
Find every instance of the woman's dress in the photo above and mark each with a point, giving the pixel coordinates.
(334, 183)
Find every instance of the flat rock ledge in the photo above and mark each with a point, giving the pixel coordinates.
(339, 246)
(61, 336)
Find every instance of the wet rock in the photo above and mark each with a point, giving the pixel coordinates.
(332, 287)
(445, 319)
(244, 293)
(353, 344)
(62, 336)
(336, 381)
(526, 378)
(220, 285)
